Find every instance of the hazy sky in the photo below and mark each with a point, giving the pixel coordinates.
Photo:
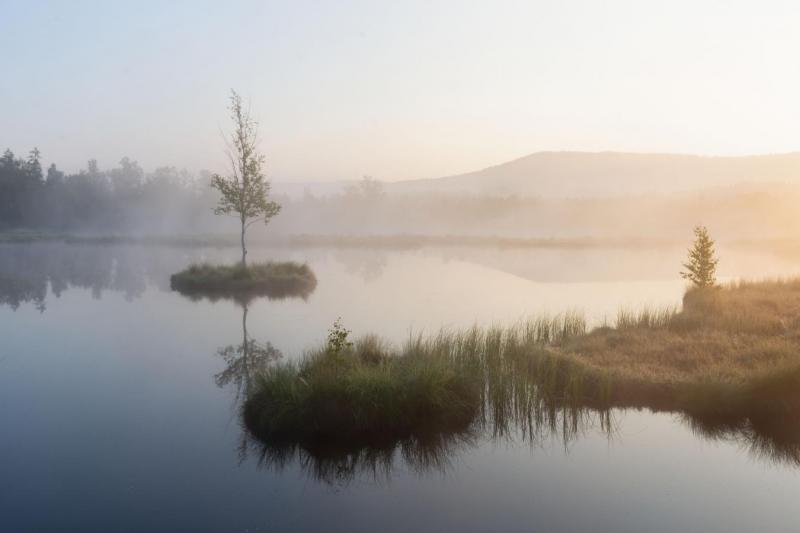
(397, 89)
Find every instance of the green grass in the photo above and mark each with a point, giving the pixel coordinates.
(362, 393)
(272, 279)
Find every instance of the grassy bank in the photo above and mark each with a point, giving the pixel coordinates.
(272, 279)
(733, 350)
(732, 354)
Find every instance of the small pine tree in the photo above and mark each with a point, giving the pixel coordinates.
(702, 263)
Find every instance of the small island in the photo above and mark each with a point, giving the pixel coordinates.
(275, 280)
(244, 195)
(361, 393)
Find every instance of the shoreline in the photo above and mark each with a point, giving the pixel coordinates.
(400, 241)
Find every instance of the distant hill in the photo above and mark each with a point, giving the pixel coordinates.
(599, 174)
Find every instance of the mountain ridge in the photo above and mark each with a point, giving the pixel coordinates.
(609, 173)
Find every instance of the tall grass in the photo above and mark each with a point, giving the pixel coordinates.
(646, 318)
(348, 412)
(372, 391)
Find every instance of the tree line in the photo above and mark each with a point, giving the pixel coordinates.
(121, 198)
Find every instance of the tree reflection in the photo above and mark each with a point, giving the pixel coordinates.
(244, 360)
(16, 291)
(29, 273)
(32, 273)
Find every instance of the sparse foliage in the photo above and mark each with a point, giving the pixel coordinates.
(702, 265)
(243, 361)
(337, 338)
(245, 191)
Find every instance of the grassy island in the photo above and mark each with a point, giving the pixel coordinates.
(363, 393)
(732, 353)
(272, 279)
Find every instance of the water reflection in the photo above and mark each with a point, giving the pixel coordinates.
(279, 291)
(243, 361)
(339, 464)
(342, 463)
(27, 271)
(432, 450)
(771, 439)
(16, 291)
(369, 265)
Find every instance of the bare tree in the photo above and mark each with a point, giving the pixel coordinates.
(245, 192)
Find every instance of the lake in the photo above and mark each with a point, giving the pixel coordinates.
(119, 400)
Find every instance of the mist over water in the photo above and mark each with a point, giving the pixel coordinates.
(622, 198)
(140, 388)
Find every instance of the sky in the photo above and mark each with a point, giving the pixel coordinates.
(396, 90)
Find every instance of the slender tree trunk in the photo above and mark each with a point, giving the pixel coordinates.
(245, 349)
(244, 250)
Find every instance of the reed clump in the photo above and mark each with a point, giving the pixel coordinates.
(368, 391)
(361, 393)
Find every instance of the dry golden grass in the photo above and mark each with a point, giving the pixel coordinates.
(731, 350)
(731, 334)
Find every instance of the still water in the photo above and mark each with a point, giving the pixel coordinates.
(119, 400)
